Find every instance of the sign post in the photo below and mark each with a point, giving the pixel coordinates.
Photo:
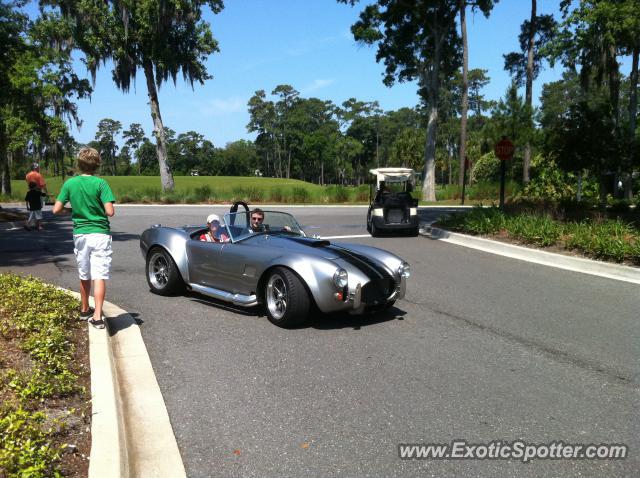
(504, 150)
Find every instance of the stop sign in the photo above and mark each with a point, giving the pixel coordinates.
(504, 149)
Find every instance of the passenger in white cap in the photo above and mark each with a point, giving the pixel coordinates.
(214, 234)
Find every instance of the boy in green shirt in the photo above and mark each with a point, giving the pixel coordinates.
(92, 205)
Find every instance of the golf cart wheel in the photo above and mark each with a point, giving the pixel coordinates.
(374, 230)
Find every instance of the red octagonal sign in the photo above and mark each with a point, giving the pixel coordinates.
(504, 149)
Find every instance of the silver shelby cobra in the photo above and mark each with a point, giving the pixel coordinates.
(277, 266)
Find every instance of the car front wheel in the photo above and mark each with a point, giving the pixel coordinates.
(286, 299)
(163, 276)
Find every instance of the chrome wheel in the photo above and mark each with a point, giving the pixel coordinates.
(277, 296)
(158, 271)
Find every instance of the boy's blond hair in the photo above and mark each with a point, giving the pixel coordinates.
(88, 160)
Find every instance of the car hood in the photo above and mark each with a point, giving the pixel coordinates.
(340, 253)
(302, 245)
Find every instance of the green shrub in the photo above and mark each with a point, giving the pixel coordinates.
(25, 449)
(39, 319)
(448, 192)
(254, 194)
(202, 194)
(277, 196)
(239, 194)
(539, 230)
(362, 194)
(620, 206)
(486, 169)
(634, 251)
(337, 194)
(548, 181)
(478, 220)
(612, 240)
(300, 195)
(151, 194)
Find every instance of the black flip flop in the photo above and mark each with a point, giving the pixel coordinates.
(97, 324)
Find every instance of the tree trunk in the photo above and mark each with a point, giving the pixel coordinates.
(633, 114)
(603, 189)
(465, 91)
(377, 146)
(579, 193)
(433, 83)
(166, 178)
(5, 175)
(289, 165)
(526, 166)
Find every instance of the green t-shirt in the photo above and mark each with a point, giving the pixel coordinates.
(87, 195)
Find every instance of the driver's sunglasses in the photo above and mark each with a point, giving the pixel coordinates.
(257, 218)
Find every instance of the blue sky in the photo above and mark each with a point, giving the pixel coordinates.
(304, 43)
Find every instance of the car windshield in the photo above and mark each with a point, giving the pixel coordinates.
(245, 224)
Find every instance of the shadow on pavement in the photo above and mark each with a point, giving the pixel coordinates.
(318, 320)
(355, 322)
(23, 248)
(121, 322)
(256, 311)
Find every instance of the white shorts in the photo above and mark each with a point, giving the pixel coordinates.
(93, 254)
(35, 216)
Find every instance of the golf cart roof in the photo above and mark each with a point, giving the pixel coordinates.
(392, 175)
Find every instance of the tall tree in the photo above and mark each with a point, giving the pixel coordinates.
(525, 65)
(592, 36)
(417, 41)
(161, 37)
(133, 138)
(106, 134)
(12, 24)
(262, 120)
(478, 79)
(288, 96)
(51, 34)
(485, 6)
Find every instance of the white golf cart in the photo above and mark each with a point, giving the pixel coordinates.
(392, 208)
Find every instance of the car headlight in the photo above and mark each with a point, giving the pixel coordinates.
(341, 278)
(404, 270)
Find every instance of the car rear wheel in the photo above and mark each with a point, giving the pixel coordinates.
(163, 276)
(286, 299)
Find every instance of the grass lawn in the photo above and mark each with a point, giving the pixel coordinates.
(122, 185)
(225, 189)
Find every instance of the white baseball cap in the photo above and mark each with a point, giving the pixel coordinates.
(212, 217)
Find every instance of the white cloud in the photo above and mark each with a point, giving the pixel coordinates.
(224, 106)
(317, 85)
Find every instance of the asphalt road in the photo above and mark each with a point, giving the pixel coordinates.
(484, 348)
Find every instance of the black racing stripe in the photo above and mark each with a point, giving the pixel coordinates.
(373, 270)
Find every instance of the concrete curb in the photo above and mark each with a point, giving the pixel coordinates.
(130, 428)
(560, 261)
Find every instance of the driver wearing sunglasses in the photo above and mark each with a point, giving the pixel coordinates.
(257, 221)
